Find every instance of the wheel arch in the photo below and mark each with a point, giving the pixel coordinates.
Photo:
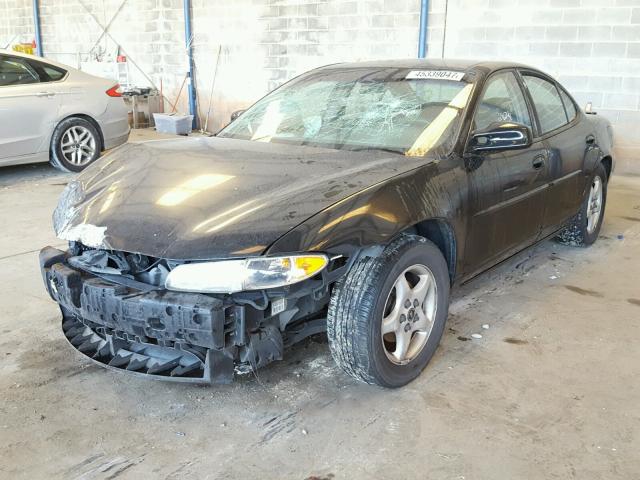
(441, 233)
(607, 162)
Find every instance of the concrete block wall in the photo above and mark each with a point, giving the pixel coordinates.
(265, 43)
(16, 22)
(592, 46)
(262, 43)
(149, 32)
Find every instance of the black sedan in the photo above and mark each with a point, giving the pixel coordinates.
(349, 200)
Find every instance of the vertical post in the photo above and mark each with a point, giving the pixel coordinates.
(424, 22)
(36, 24)
(191, 88)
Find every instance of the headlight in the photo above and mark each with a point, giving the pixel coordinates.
(229, 276)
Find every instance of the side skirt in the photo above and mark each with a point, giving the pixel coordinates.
(466, 279)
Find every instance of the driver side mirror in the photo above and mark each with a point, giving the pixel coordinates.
(236, 114)
(506, 136)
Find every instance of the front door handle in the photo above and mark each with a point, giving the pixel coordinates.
(45, 94)
(538, 162)
(590, 140)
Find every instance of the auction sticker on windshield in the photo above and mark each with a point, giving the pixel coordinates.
(434, 74)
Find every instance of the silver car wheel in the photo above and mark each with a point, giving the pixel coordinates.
(594, 205)
(409, 314)
(78, 145)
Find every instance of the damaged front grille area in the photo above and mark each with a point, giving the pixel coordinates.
(129, 266)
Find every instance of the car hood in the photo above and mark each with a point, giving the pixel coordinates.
(207, 198)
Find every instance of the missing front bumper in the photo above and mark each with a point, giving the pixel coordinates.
(163, 335)
(176, 336)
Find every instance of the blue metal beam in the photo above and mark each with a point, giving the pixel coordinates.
(191, 88)
(36, 24)
(424, 23)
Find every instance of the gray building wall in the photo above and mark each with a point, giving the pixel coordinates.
(592, 46)
(16, 22)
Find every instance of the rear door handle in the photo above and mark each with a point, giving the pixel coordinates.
(45, 94)
(538, 162)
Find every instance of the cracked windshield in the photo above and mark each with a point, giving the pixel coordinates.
(411, 112)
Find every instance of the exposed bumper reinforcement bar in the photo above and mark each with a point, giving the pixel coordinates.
(161, 335)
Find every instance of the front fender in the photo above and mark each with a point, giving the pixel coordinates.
(377, 214)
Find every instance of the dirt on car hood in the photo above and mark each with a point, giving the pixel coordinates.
(206, 198)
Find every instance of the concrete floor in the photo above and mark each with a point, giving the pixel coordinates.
(550, 391)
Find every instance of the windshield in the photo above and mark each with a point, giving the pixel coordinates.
(407, 111)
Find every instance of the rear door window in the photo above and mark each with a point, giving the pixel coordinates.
(16, 71)
(547, 102)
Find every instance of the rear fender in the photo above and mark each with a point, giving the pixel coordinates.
(603, 146)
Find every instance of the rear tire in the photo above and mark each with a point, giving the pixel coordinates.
(584, 228)
(374, 316)
(75, 145)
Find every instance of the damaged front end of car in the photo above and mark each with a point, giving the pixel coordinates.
(190, 321)
(117, 311)
(197, 261)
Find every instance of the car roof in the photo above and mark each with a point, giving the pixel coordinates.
(35, 57)
(436, 63)
(13, 53)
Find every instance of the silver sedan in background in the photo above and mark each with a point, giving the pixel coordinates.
(52, 112)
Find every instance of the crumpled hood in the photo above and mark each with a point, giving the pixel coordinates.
(206, 198)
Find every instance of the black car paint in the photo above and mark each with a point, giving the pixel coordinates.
(281, 198)
(493, 207)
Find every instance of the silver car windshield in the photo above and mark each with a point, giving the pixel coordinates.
(412, 112)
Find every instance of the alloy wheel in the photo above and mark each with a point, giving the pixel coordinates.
(594, 205)
(408, 314)
(78, 145)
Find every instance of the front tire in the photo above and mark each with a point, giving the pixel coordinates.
(585, 226)
(386, 316)
(75, 144)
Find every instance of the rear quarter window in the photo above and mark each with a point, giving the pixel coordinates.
(52, 74)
